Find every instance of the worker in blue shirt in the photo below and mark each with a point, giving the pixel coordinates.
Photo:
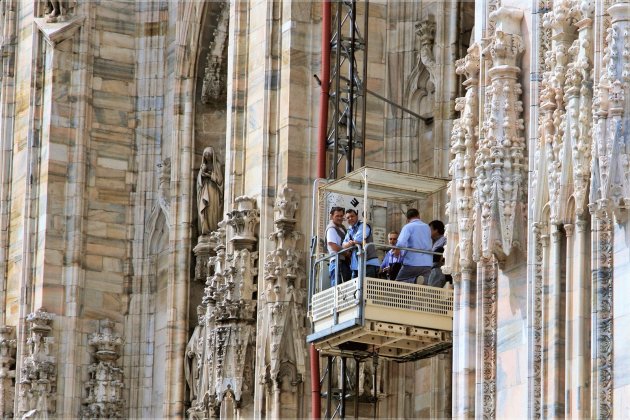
(415, 234)
(392, 261)
(354, 236)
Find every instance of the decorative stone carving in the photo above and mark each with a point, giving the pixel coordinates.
(104, 387)
(283, 306)
(213, 87)
(194, 355)
(7, 371)
(244, 222)
(426, 33)
(464, 139)
(501, 157)
(38, 373)
(59, 21)
(227, 339)
(59, 10)
(609, 190)
(209, 191)
(164, 188)
(489, 336)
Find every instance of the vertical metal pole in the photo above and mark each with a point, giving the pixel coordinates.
(375, 385)
(342, 402)
(364, 81)
(350, 122)
(356, 387)
(336, 114)
(329, 391)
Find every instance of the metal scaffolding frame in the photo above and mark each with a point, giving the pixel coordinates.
(348, 50)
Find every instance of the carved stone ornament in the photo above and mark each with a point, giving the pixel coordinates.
(464, 140)
(220, 354)
(59, 21)
(283, 297)
(213, 87)
(244, 222)
(501, 159)
(425, 30)
(8, 346)
(38, 373)
(164, 188)
(610, 190)
(104, 388)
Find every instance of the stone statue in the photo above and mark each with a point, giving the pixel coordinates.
(209, 192)
(194, 356)
(57, 10)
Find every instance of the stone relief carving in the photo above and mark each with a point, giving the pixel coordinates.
(501, 156)
(164, 188)
(464, 139)
(226, 340)
(425, 30)
(283, 306)
(609, 188)
(38, 373)
(209, 191)
(213, 87)
(489, 351)
(104, 388)
(8, 346)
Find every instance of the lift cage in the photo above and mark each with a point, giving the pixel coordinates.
(367, 316)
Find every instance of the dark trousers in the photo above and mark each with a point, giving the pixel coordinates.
(370, 271)
(345, 273)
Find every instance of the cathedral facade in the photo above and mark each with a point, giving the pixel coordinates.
(157, 163)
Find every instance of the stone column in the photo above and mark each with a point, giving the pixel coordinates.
(554, 395)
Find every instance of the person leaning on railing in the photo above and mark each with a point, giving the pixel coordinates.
(335, 232)
(415, 234)
(354, 236)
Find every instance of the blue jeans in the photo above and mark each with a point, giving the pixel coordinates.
(345, 273)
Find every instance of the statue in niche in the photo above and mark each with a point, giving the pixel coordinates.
(209, 192)
(57, 10)
(194, 356)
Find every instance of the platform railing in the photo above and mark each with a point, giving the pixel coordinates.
(326, 300)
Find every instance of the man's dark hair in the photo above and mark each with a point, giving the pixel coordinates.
(352, 211)
(411, 213)
(437, 225)
(336, 209)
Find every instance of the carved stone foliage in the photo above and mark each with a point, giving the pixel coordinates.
(104, 388)
(7, 371)
(610, 189)
(38, 373)
(489, 336)
(213, 87)
(464, 139)
(283, 302)
(425, 30)
(221, 351)
(501, 159)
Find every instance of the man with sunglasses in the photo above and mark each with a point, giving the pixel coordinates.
(335, 232)
(354, 236)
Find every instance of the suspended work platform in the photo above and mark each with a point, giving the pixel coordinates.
(367, 316)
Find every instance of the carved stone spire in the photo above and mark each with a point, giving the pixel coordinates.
(464, 138)
(38, 375)
(7, 371)
(227, 337)
(283, 309)
(501, 158)
(105, 385)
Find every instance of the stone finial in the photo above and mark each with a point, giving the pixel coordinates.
(38, 374)
(244, 222)
(105, 384)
